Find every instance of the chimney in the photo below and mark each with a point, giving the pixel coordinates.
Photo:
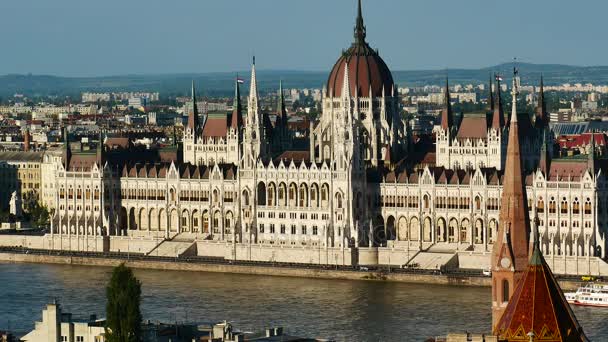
(26, 140)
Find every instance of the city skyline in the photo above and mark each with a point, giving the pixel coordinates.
(153, 38)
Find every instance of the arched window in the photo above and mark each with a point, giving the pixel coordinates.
(588, 206)
(540, 206)
(505, 291)
(564, 206)
(552, 208)
(576, 207)
(477, 203)
(261, 193)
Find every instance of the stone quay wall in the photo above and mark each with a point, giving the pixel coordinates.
(436, 279)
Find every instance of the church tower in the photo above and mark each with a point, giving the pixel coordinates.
(510, 253)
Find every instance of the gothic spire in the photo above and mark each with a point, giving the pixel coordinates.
(237, 114)
(498, 117)
(542, 118)
(100, 150)
(490, 96)
(193, 125)
(510, 252)
(447, 119)
(360, 30)
(281, 111)
(67, 150)
(591, 155)
(545, 158)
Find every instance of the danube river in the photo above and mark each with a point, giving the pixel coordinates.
(341, 310)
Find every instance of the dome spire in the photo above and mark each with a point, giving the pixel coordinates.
(360, 31)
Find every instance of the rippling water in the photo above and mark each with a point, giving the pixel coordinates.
(342, 310)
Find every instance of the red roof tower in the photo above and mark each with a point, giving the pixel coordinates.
(510, 252)
(538, 310)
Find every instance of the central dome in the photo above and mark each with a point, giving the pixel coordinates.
(365, 68)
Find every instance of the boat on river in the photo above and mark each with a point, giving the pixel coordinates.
(589, 295)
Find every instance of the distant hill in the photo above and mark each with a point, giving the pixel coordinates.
(221, 84)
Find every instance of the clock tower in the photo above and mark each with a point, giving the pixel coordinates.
(510, 252)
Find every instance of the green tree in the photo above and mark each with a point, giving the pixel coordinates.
(123, 322)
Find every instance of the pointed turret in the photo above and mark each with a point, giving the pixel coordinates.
(281, 111)
(545, 157)
(447, 117)
(100, 150)
(538, 310)
(193, 125)
(490, 96)
(360, 30)
(254, 131)
(591, 155)
(237, 109)
(498, 116)
(510, 251)
(67, 150)
(542, 117)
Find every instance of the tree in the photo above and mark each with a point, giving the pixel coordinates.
(123, 322)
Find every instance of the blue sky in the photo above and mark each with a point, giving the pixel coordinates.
(115, 37)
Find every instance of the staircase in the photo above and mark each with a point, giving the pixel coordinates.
(174, 249)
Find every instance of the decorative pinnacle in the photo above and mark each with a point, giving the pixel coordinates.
(360, 31)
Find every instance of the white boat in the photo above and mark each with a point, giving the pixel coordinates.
(589, 295)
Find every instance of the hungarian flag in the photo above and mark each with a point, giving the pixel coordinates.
(240, 80)
(498, 78)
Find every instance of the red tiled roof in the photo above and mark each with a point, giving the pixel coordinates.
(538, 305)
(473, 127)
(581, 140)
(294, 155)
(216, 126)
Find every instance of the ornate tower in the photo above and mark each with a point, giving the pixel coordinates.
(284, 140)
(498, 115)
(447, 117)
(542, 117)
(510, 253)
(372, 92)
(446, 134)
(254, 140)
(193, 127)
(490, 96)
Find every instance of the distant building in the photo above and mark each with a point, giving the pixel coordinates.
(19, 171)
(57, 326)
(137, 102)
(95, 97)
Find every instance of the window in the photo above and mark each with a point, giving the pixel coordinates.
(79, 338)
(303, 230)
(315, 230)
(64, 339)
(272, 228)
(505, 291)
(552, 206)
(293, 229)
(282, 229)
(261, 228)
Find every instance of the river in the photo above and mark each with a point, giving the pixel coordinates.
(339, 309)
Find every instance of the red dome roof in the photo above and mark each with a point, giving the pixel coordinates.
(365, 68)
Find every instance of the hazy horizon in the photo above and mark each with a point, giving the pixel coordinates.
(73, 38)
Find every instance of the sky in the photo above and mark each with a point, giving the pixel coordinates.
(118, 37)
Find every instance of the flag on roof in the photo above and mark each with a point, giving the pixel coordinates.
(240, 80)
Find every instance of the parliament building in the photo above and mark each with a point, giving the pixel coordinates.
(235, 187)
